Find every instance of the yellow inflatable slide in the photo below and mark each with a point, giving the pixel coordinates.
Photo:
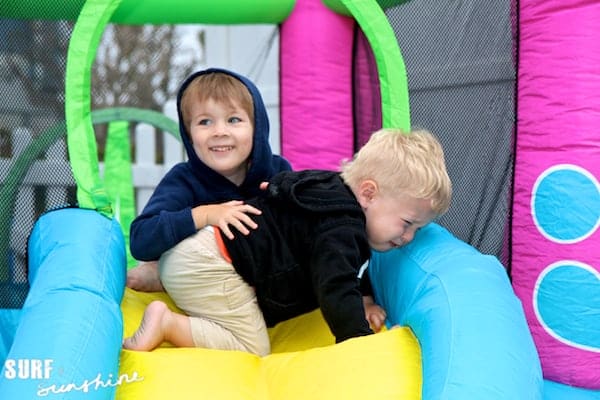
(305, 364)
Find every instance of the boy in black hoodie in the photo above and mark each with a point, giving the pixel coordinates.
(314, 233)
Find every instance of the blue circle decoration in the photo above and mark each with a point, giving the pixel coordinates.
(565, 204)
(575, 318)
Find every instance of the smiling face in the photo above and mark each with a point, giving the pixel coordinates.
(392, 220)
(222, 137)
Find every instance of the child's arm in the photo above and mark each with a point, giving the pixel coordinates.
(145, 276)
(170, 216)
(334, 259)
(158, 229)
(232, 213)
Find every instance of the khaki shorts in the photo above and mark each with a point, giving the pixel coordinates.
(222, 307)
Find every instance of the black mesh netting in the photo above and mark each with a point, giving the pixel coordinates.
(35, 176)
(34, 172)
(461, 76)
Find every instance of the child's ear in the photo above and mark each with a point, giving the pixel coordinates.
(367, 191)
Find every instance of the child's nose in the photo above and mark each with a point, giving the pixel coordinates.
(408, 236)
(220, 127)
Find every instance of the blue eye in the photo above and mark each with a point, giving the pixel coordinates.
(234, 120)
(205, 121)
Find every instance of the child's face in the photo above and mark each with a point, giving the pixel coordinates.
(222, 137)
(392, 221)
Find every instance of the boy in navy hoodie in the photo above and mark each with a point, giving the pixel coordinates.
(224, 167)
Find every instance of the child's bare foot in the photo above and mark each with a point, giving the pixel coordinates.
(151, 332)
(145, 278)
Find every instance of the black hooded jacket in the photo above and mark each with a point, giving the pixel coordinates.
(307, 251)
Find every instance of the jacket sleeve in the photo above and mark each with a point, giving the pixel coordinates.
(338, 252)
(366, 287)
(165, 221)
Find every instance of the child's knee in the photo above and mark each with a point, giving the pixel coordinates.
(263, 347)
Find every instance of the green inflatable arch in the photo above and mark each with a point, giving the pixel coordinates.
(136, 12)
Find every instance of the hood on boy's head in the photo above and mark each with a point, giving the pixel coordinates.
(261, 155)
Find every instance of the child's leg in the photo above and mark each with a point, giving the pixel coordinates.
(160, 324)
(223, 309)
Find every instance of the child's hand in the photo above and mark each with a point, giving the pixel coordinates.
(232, 213)
(374, 313)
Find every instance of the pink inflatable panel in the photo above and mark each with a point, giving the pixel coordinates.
(316, 86)
(556, 242)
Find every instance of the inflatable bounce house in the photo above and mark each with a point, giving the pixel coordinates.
(513, 317)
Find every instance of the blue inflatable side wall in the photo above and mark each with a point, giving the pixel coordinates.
(68, 337)
(474, 338)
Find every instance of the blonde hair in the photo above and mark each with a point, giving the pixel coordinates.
(220, 87)
(401, 163)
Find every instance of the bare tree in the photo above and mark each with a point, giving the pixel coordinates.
(139, 66)
(38, 61)
(136, 66)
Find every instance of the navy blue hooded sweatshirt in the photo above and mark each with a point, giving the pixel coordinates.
(167, 218)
